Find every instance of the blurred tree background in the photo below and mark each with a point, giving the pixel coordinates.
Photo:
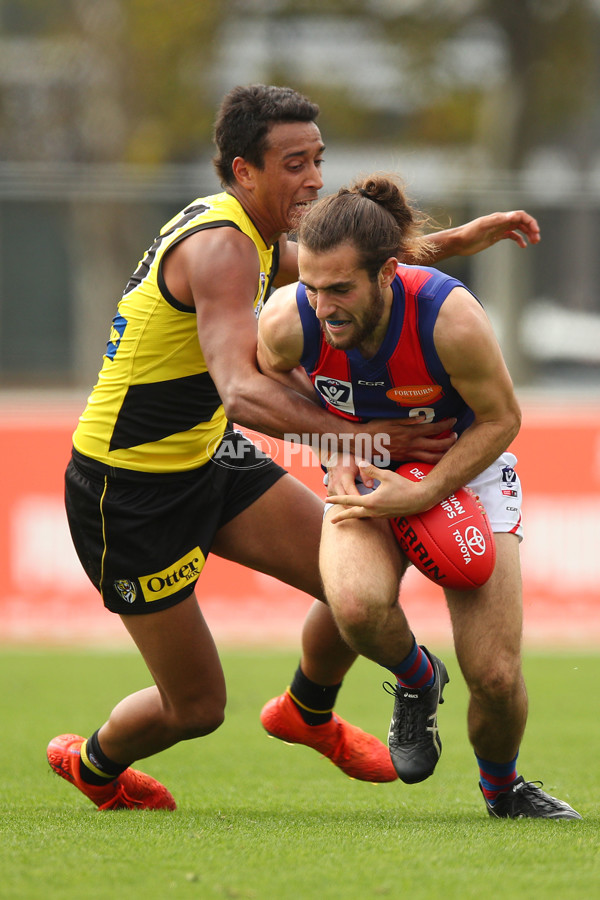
(106, 110)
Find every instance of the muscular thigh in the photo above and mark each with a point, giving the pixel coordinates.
(487, 623)
(279, 535)
(360, 558)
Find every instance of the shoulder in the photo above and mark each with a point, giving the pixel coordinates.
(462, 329)
(215, 263)
(280, 309)
(425, 280)
(218, 220)
(225, 247)
(462, 308)
(280, 333)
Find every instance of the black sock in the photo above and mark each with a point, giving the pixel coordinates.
(95, 767)
(315, 702)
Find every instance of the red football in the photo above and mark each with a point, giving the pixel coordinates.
(452, 543)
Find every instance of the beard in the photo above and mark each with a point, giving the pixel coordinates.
(363, 330)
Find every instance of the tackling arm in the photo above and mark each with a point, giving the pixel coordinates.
(280, 347)
(463, 240)
(218, 270)
(479, 234)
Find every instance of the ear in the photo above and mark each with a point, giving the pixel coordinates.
(387, 272)
(243, 172)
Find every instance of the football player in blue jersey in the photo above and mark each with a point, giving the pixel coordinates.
(390, 335)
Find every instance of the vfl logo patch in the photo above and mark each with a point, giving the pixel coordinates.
(509, 476)
(170, 580)
(509, 482)
(415, 394)
(126, 589)
(338, 393)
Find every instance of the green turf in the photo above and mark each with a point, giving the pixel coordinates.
(260, 819)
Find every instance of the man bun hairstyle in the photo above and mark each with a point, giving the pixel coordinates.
(375, 216)
(244, 118)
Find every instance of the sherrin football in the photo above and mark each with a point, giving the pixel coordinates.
(452, 543)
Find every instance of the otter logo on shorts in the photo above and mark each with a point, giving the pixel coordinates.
(168, 581)
(126, 589)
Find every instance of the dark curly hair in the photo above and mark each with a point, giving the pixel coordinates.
(245, 118)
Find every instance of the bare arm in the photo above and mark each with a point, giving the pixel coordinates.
(281, 340)
(463, 240)
(470, 354)
(469, 351)
(217, 272)
(481, 233)
(280, 347)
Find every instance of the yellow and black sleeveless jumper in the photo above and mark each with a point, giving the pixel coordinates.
(155, 407)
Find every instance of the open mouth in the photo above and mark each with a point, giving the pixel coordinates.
(336, 324)
(298, 210)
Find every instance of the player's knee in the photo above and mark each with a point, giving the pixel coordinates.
(357, 615)
(497, 682)
(198, 720)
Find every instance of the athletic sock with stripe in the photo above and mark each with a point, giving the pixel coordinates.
(95, 767)
(314, 701)
(415, 671)
(495, 778)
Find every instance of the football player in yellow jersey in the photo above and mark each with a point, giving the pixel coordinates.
(158, 478)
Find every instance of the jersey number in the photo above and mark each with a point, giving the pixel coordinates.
(424, 413)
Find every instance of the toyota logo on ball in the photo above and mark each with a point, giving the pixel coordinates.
(475, 540)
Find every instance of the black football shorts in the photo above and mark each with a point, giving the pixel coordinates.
(143, 538)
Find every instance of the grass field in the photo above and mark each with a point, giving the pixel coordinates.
(260, 819)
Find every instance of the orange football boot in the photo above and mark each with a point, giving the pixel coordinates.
(131, 790)
(355, 752)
